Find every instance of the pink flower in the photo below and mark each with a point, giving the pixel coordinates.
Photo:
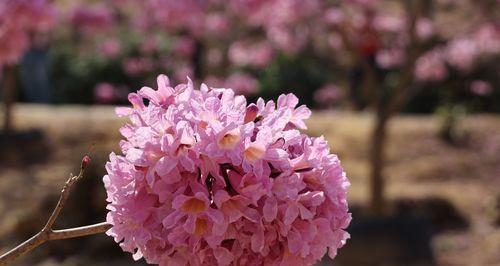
(431, 66)
(424, 28)
(487, 38)
(461, 53)
(256, 55)
(91, 19)
(390, 58)
(242, 83)
(134, 66)
(150, 45)
(333, 16)
(206, 179)
(183, 71)
(328, 94)
(110, 48)
(19, 19)
(217, 23)
(184, 46)
(481, 88)
(104, 93)
(389, 23)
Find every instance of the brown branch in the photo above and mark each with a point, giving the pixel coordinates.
(403, 87)
(47, 233)
(370, 82)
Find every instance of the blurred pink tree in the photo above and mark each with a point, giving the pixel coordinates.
(390, 47)
(19, 21)
(395, 46)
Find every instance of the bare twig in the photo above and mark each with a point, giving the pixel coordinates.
(47, 233)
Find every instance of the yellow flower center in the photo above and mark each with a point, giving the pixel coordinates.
(201, 227)
(229, 140)
(193, 206)
(254, 153)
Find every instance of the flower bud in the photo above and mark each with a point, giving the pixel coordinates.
(85, 161)
(251, 113)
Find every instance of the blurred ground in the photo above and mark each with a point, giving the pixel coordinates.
(454, 188)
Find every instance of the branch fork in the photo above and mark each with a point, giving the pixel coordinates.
(49, 234)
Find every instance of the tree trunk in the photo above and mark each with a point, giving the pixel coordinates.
(377, 185)
(9, 96)
(197, 60)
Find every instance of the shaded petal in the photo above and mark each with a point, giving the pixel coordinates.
(294, 241)
(172, 219)
(164, 166)
(270, 209)
(223, 256)
(291, 214)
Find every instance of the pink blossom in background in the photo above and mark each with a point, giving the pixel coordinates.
(217, 23)
(241, 83)
(364, 3)
(424, 28)
(214, 57)
(390, 58)
(431, 66)
(289, 41)
(110, 48)
(19, 19)
(282, 13)
(335, 41)
(447, 2)
(184, 46)
(487, 38)
(481, 88)
(328, 94)
(245, 54)
(13, 43)
(104, 93)
(181, 72)
(214, 81)
(91, 19)
(134, 66)
(461, 53)
(185, 15)
(150, 45)
(390, 23)
(252, 11)
(207, 179)
(334, 16)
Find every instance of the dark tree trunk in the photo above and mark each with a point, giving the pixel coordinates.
(197, 60)
(377, 185)
(9, 96)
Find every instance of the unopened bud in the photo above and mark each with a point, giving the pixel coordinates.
(251, 113)
(85, 161)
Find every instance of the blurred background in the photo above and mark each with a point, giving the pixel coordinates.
(407, 92)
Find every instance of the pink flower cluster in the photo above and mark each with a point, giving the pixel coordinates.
(461, 53)
(206, 179)
(431, 66)
(256, 55)
(18, 19)
(91, 19)
(328, 94)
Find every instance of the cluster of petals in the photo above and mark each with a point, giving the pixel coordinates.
(431, 66)
(207, 179)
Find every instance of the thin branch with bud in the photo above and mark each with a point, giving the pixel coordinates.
(49, 234)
